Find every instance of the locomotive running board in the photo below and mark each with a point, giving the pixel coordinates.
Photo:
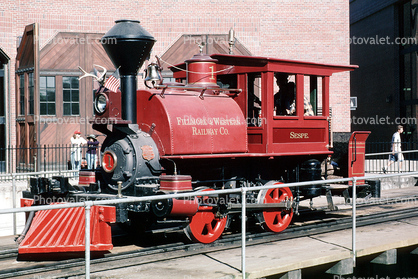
(63, 230)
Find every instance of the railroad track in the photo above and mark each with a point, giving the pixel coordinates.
(75, 267)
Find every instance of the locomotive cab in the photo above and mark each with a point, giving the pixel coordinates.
(287, 112)
(301, 128)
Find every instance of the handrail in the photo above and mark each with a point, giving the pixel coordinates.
(242, 190)
(376, 162)
(28, 174)
(390, 152)
(355, 151)
(37, 173)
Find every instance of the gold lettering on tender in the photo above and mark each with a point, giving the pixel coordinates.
(223, 131)
(211, 121)
(294, 135)
(211, 78)
(204, 131)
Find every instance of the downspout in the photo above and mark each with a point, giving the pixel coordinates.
(7, 93)
(36, 97)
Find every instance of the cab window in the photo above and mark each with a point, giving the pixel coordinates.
(284, 94)
(312, 96)
(254, 100)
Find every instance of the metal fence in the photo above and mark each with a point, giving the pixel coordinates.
(377, 158)
(14, 177)
(39, 158)
(88, 204)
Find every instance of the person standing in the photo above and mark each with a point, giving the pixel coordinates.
(396, 149)
(92, 144)
(76, 142)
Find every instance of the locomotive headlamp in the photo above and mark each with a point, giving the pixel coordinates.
(109, 161)
(100, 103)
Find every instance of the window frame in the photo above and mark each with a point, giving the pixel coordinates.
(70, 102)
(47, 102)
(31, 94)
(21, 94)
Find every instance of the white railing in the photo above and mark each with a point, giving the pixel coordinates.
(18, 176)
(376, 161)
(88, 204)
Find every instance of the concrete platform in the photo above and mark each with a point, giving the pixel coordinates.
(280, 256)
(398, 182)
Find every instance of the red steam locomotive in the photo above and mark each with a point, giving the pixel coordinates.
(228, 121)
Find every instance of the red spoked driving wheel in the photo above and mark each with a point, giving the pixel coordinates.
(205, 226)
(272, 219)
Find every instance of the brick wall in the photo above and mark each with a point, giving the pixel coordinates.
(312, 30)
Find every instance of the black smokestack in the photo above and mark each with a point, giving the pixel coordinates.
(128, 45)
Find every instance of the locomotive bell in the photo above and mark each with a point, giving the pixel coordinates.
(152, 75)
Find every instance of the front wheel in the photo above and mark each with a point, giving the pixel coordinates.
(205, 226)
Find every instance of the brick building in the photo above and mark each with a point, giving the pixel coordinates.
(316, 31)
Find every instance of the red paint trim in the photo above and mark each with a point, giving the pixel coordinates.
(247, 155)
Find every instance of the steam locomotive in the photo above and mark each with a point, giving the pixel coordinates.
(217, 127)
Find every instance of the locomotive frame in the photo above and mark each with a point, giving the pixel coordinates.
(217, 127)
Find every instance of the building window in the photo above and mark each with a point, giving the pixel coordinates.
(47, 95)
(22, 94)
(31, 88)
(71, 96)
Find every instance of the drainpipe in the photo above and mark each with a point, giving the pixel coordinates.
(36, 89)
(7, 93)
